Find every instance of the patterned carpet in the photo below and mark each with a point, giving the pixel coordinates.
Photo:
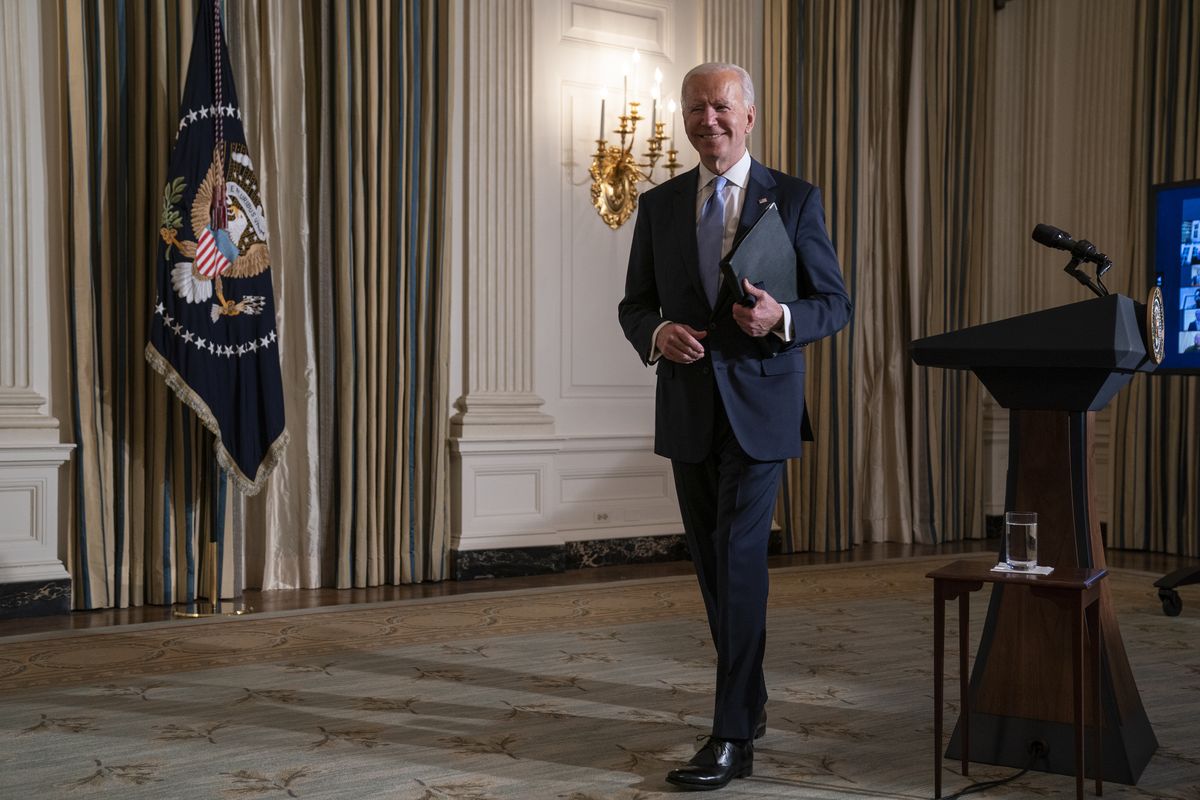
(582, 693)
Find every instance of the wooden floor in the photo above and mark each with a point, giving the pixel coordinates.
(288, 599)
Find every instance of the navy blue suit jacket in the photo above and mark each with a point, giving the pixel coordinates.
(761, 381)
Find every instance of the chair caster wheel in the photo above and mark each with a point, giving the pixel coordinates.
(1172, 603)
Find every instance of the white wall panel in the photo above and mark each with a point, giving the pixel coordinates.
(29, 450)
(631, 24)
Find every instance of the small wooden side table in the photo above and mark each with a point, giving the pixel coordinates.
(1077, 589)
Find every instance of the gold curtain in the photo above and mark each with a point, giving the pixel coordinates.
(342, 108)
(884, 107)
(950, 258)
(1156, 421)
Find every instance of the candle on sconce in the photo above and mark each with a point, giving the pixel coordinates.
(603, 97)
(671, 111)
(655, 93)
(654, 112)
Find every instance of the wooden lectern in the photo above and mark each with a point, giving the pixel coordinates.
(1053, 370)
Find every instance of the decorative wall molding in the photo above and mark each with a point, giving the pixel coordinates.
(507, 490)
(614, 487)
(29, 512)
(636, 24)
(603, 486)
(32, 577)
(498, 207)
(22, 408)
(24, 338)
(531, 492)
(20, 513)
(496, 413)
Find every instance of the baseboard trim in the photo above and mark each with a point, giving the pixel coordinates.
(508, 562)
(35, 598)
(513, 562)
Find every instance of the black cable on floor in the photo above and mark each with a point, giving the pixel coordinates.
(1036, 750)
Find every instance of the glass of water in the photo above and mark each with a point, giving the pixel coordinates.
(1020, 539)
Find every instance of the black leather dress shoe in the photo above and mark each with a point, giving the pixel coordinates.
(760, 730)
(717, 763)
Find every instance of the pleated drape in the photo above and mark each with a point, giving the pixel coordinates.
(390, 299)
(275, 52)
(884, 106)
(342, 106)
(950, 186)
(1156, 422)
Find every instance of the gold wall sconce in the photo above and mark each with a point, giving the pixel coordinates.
(615, 170)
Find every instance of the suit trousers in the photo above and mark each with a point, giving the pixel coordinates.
(727, 501)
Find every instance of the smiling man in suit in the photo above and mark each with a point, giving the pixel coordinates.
(730, 396)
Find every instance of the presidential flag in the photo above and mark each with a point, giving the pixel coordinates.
(213, 335)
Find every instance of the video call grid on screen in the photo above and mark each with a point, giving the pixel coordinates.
(1176, 226)
(1189, 277)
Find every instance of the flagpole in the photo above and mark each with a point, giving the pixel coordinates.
(210, 579)
(208, 586)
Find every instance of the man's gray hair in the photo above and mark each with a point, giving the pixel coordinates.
(720, 66)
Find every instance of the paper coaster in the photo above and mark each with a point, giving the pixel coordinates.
(1002, 567)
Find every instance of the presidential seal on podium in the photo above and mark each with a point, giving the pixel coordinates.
(1156, 334)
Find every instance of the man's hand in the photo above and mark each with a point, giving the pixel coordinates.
(759, 320)
(680, 343)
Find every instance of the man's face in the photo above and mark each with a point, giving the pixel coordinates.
(717, 118)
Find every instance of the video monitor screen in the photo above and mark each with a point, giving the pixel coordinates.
(1175, 218)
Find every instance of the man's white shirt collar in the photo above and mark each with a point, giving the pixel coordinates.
(738, 174)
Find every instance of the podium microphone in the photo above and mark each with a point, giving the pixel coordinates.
(1081, 250)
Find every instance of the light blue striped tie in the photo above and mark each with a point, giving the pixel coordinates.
(710, 235)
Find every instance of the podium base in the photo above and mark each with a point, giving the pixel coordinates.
(1004, 741)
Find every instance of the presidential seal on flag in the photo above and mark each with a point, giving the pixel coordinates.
(233, 233)
(213, 335)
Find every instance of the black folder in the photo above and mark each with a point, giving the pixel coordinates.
(766, 257)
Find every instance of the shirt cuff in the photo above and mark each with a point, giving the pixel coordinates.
(785, 332)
